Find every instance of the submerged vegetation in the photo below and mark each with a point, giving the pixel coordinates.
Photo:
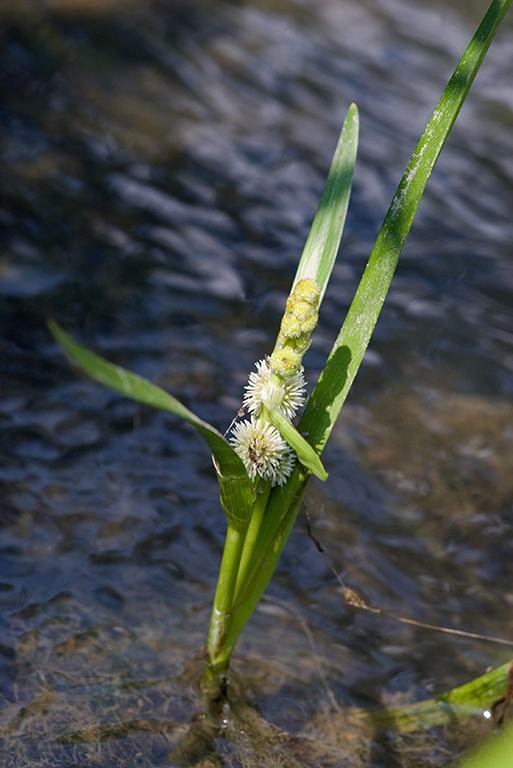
(265, 464)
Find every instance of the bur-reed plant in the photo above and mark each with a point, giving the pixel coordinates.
(264, 466)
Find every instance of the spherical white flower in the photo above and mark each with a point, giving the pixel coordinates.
(263, 451)
(287, 396)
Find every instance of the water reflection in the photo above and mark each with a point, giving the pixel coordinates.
(161, 165)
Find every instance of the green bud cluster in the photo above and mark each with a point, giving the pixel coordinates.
(298, 322)
(285, 362)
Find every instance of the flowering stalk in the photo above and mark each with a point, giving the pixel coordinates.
(264, 443)
(276, 459)
(277, 386)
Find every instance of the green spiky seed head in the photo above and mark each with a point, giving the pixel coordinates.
(291, 327)
(309, 323)
(307, 290)
(290, 304)
(303, 310)
(285, 362)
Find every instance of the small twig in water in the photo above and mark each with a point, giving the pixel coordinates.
(353, 599)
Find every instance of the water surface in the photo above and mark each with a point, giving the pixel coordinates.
(161, 165)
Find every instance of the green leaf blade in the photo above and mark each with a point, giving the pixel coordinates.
(236, 488)
(305, 452)
(321, 247)
(346, 356)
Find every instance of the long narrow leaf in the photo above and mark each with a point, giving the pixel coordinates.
(471, 699)
(304, 450)
(322, 245)
(347, 353)
(236, 488)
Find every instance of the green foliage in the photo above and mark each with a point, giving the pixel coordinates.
(258, 530)
(347, 353)
(304, 450)
(461, 703)
(236, 489)
(321, 247)
(497, 753)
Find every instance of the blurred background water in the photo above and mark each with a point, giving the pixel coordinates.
(161, 165)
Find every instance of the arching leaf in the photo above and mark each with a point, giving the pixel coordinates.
(236, 488)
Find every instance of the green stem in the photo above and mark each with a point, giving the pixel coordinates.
(217, 658)
(281, 512)
(252, 535)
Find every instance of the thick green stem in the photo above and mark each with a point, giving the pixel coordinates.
(281, 511)
(252, 534)
(217, 658)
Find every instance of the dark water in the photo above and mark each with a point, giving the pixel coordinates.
(161, 165)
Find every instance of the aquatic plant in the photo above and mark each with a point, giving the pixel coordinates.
(265, 464)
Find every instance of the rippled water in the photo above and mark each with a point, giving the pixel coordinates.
(161, 165)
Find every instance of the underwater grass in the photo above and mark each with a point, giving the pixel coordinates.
(265, 467)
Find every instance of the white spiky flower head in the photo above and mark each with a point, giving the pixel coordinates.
(287, 395)
(263, 451)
